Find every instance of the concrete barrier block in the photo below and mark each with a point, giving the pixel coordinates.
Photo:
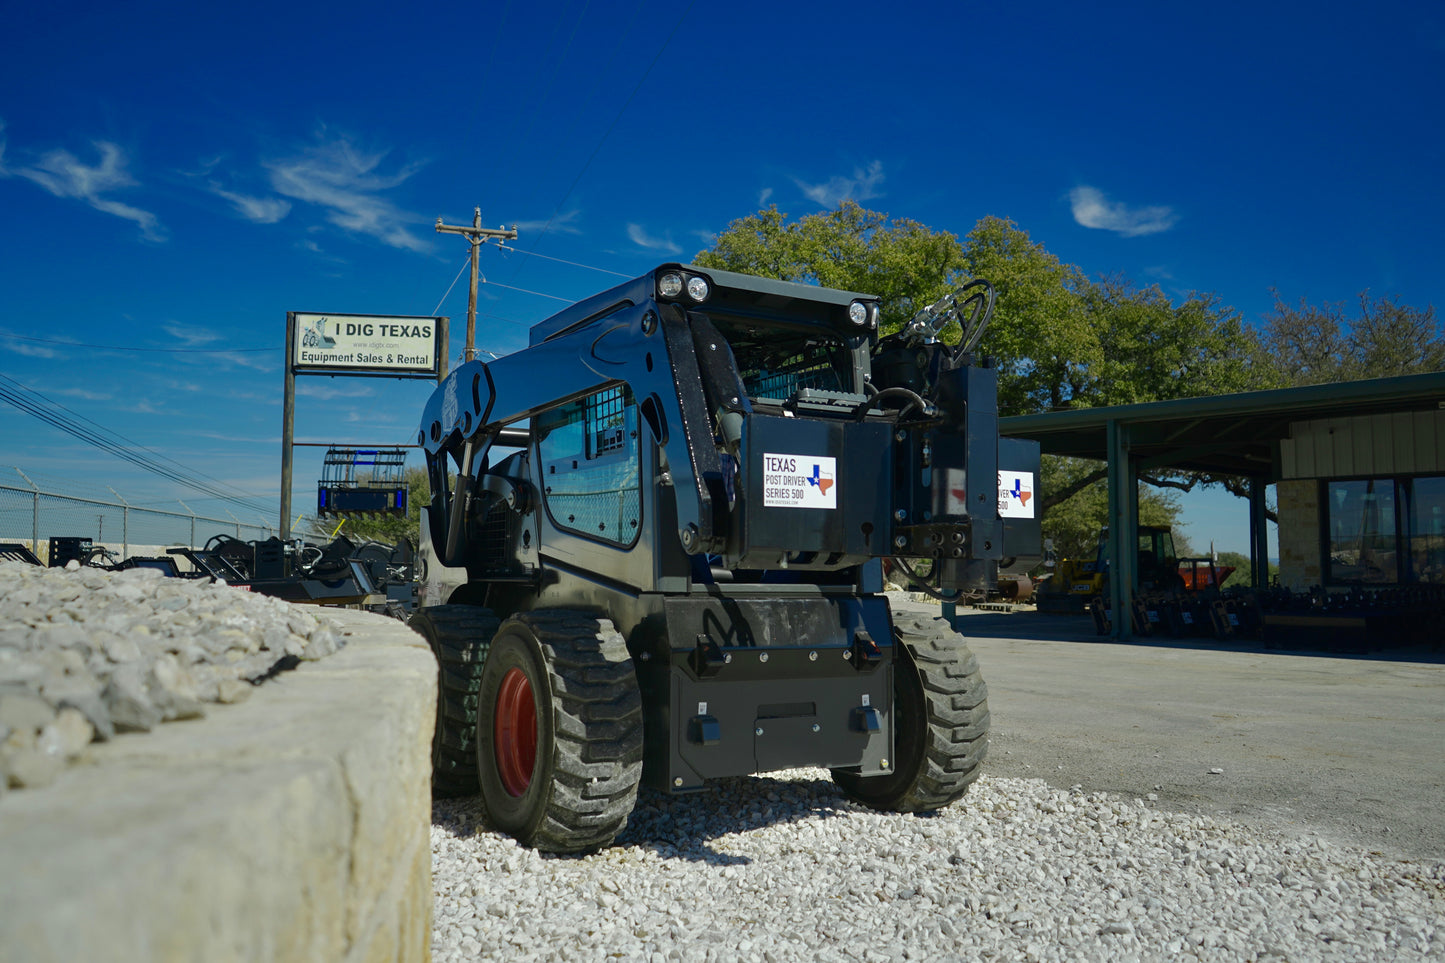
(294, 825)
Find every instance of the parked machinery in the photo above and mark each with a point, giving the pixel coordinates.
(1075, 582)
(654, 550)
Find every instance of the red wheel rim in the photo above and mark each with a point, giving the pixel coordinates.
(514, 732)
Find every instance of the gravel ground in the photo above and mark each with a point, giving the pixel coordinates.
(784, 868)
(86, 654)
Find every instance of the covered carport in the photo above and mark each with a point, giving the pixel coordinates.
(1238, 434)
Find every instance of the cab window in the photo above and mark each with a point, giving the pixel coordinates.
(591, 474)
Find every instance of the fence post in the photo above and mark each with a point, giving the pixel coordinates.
(234, 519)
(124, 523)
(193, 521)
(34, 514)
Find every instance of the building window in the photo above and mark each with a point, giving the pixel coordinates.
(1427, 529)
(1384, 531)
(591, 473)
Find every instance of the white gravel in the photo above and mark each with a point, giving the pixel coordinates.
(784, 868)
(86, 654)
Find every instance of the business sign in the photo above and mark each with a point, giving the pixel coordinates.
(365, 343)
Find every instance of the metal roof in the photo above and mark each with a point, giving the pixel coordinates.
(1236, 434)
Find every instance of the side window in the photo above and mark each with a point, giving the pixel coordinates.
(591, 475)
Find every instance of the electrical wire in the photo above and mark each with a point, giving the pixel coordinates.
(20, 396)
(605, 134)
(465, 264)
(552, 79)
(121, 347)
(559, 260)
(497, 284)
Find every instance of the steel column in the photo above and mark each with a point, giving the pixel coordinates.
(1123, 529)
(1258, 533)
(288, 426)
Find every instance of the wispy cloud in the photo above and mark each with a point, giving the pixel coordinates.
(256, 362)
(370, 418)
(27, 349)
(80, 393)
(144, 406)
(311, 247)
(1092, 208)
(764, 196)
(190, 337)
(564, 223)
(254, 484)
(639, 236)
(347, 182)
(834, 191)
(326, 392)
(259, 210)
(63, 174)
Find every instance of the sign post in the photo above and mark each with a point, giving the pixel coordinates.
(355, 345)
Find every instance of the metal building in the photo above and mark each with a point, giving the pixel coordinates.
(1359, 471)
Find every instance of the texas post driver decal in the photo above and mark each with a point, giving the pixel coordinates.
(799, 481)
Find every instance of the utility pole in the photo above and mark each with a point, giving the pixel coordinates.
(478, 236)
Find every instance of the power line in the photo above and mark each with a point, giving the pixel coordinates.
(180, 474)
(497, 284)
(605, 134)
(563, 261)
(465, 263)
(123, 347)
(552, 79)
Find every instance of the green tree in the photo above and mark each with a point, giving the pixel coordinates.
(1243, 574)
(1306, 344)
(905, 263)
(1040, 338)
(1074, 523)
(1154, 349)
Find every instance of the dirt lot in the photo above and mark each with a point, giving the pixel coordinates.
(1350, 747)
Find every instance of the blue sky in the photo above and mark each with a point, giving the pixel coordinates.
(176, 179)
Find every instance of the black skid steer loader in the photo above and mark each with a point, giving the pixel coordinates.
(654, 550)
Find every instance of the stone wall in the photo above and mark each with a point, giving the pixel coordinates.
(1299, 534)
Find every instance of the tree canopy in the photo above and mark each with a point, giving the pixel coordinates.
(905, 263)
(1305, 344)
(1058, 339)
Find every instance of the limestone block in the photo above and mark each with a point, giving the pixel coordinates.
(291, 826)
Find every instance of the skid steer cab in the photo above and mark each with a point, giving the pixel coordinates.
(654, 550)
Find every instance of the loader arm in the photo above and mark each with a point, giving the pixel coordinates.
(651, 350)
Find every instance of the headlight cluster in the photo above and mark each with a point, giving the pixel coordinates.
(673, 283)
(864, 313)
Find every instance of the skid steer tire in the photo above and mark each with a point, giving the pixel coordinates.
(559, 736)
(940, 711)
(459, 636)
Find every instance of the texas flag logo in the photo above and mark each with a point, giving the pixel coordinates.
(1015, 494)
(820, 480)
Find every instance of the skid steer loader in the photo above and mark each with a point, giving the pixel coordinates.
(654, 550)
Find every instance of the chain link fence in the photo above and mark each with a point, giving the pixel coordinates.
(33, 515)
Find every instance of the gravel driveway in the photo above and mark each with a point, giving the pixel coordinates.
(783, 867)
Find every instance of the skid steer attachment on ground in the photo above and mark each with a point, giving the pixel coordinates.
(655, 540)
